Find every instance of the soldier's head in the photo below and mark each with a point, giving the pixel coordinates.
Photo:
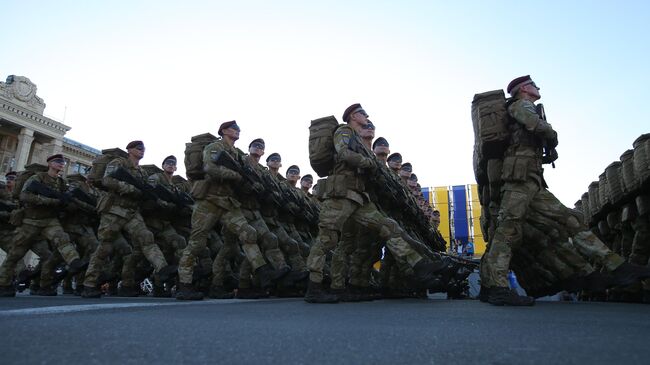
(135, 149)
(229, 131)
(412, 181)
(524, 87)
(395, 161)
(306, 182)
(56, 163)
(355, 116)
(381, 148)
(293, 174)
(406, 170)
(169, 164)
(10, 178)
(256, 147)
(274, 161)
(367, 131)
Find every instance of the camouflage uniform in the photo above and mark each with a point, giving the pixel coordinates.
(524, 191)
(41, 221)
(120, 211)
(216, 203)
(345, 198)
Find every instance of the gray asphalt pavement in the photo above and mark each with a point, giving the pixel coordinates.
(71, 330)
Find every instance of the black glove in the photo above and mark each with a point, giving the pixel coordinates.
(550, 155)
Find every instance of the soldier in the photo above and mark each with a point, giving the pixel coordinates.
(381, 148)
(345, 198)
(306, 183)
(216, 202)
(10, 178)
(394, 162)
(533, 143)
(120, 211)
(405, 172)
(41, 221)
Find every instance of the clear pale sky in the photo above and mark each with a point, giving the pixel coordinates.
(164, 71)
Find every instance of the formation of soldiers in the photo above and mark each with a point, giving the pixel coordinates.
(234, 228)
(550, 247)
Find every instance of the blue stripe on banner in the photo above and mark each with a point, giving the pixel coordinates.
(461, 229)
(425, 193)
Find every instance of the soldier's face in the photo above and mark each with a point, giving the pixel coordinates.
(306, 183)
(412, 183)
(532, 90)
(395, 164)
(57, 164)
(256, 149)
(169, 167)
(232, 133)
(381, 150)
(137, 152)
(404, 173)
(293, 176)
(11, 182)
(274, 164)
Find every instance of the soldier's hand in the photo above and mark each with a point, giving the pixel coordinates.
(129, 189)
(367, 164)
(231, 175)
(550, 156)
(552, 142)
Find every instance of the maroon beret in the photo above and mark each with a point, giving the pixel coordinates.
(134, 144)
(54, 157)
(350, 110)
(226, 125)
(515, 84)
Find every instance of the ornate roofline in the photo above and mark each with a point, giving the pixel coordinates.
(43, 123)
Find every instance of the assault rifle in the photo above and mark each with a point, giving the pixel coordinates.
(252, 178)
(6, 207)
(550, 154)
(180, 199)
(124, 176)
(80, 195)
(38, 188)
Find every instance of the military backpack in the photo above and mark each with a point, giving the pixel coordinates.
(30, 170)
(100, 162)
(321, 145)
(194, 155)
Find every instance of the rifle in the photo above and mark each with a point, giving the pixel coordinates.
(6, 207)
(80, 195)
(38, 188)
(124, 176)
(181, 200)
(550, 154)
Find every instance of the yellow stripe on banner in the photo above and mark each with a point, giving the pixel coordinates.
(479, 241)
(442, 204)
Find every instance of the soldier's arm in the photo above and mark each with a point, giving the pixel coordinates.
(35, 199)
(217, 173)
(114, 185)
(524, 112)
(342, 138)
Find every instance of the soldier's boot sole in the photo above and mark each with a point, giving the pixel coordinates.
(90, 292)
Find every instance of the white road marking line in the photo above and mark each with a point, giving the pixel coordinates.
(107, 306)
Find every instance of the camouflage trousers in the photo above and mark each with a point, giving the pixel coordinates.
(334, 214)
(353, 257)
(552, 217)
(288, 245)
(225, 259)
(110, 229)
(170, 242)
(30, 232)
(205, 216)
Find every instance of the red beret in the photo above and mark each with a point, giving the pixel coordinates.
(54, 157)
(515, 84)
(225, 125)
(351, 109)
(134, 144)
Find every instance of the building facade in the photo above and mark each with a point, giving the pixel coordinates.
(27, 136)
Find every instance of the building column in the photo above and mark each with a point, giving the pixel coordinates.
(57, 146)
(25, 139)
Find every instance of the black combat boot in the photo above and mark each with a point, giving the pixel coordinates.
(219, 292)
(429, 275)
(317, 294)
(91, 292)
(251, 293)
(627, 274)
(646, 297)
(128, 291)
(7, 291)
(160, 292)
(77, 266)
(187, 292)
(596, 282)
(507, 296)
(167, 273)
(268, 277)
(48, 291)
